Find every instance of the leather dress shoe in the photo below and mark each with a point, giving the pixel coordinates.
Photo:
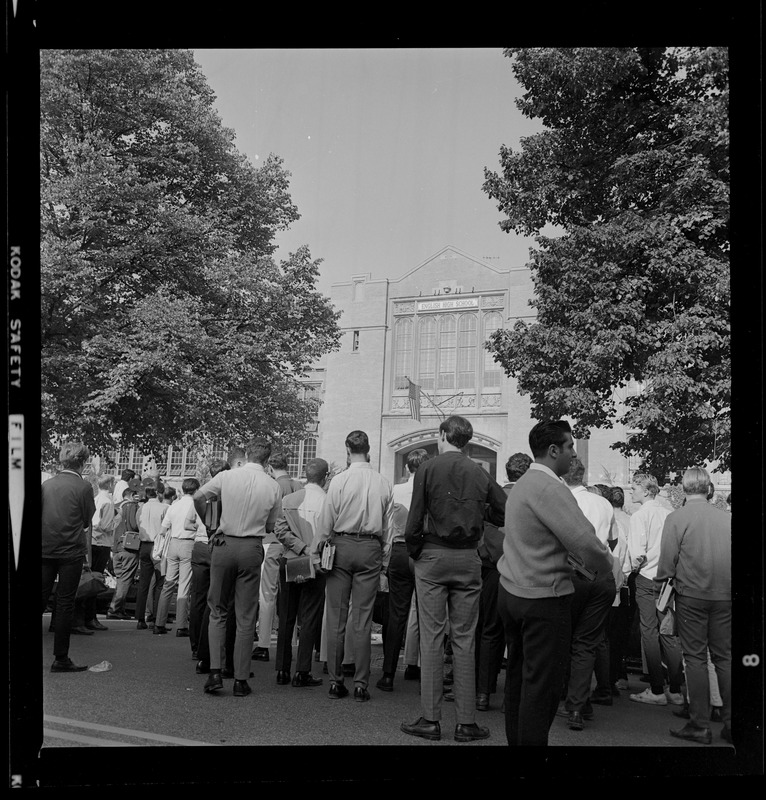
(692, 734)
(213, 682)
(184, 632)
(260, 654)
(423, 728)
(95, 625)
(574, 721)
(66, 665)
(412, 672)
(337, 691)
(482, 702)
(602, 699)
(348, 670)
(305, 679)
(81, 630)
(470, 733)
(242, 689)
(283, 677)
(160, 630)
(141, 626)
(361, 695)
(111, 615)
(386, 683)
(202, 668)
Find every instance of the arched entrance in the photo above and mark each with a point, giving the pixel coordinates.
(481, 449)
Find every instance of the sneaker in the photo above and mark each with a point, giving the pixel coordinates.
(675, 698)
(649, 697)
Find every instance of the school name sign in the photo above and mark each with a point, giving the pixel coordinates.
(448, 305)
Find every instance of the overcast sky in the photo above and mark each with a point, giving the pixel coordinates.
(387, 148)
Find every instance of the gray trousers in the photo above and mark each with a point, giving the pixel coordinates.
(448, 589)
(235, 569)
(355, 575)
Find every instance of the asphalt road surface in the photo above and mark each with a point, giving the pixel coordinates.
(152, 697)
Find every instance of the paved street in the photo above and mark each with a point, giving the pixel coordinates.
(153, 697)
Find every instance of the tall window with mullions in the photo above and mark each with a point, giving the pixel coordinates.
(466, 342)
(402, 353)
(492, 370)
(427, 353)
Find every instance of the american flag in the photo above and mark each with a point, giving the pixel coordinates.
(414, 400)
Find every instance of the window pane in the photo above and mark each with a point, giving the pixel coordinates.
(427, 353)
(403, 353)
(176, 462)
(492, 370)
(447, 352)
(294, 462)
(309, 452)
(466, 364)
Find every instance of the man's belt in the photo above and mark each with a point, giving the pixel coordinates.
(362, 535)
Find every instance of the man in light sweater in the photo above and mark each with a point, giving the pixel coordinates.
(543, 525)
(644, 538)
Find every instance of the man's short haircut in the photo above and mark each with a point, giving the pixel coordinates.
(604, 489)
(128, 494)
(458, 431)
(237, 454)
(190, 485)
(415, 458)
(258, 450)
(516, 466)
(73, 455)
(170, 493)
(546, 433)
(316, 470)
(106, 482)
(127, 475)
(575, 473)
(616, 497)
(278, 460)
(150, 491)
(357, 442)
(695, 480)
(218, 465)
(649, 483)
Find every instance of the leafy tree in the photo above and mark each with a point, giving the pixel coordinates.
(165, 318)
(633, 169)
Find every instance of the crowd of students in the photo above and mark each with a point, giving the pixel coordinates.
(541, 576)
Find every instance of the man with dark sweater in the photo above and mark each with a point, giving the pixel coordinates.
(543, 526)
(67, 509)
(452, 492)
(696, 553)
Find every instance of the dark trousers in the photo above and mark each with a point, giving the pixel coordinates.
(303, 601)
(147, 568)
(199, 621)
(537, 634)
(490, 636)
(68, 572)
(590, 607)
(610, 653)
(401, 585)
(658, 647)
(705, 625)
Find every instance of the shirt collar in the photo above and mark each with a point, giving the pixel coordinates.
(547, 470)
(577, 489)
(360, 465)
(253, 465)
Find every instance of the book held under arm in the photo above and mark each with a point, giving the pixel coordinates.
(580, 568)
(299, 567)
(327, 555)
(666, 595)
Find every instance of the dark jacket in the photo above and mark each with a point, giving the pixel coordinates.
(67, 509)
(458, 496)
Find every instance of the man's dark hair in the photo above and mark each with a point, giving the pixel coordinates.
(237, 454)
(258, 450)
(357, 442)
(170, 493)
(516, 466)
(190, 485)
(459, 430)
(73, 455)
(278, 460)
(316, 470)
(150, 491)
(128, 494)
(575, 473)
(616, 497)
(218, 465)
(604, 489)
(546, 433)
(127, 475)
(415, 458)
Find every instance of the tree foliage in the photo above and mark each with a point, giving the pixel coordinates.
(633, 168)
(165, 317)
